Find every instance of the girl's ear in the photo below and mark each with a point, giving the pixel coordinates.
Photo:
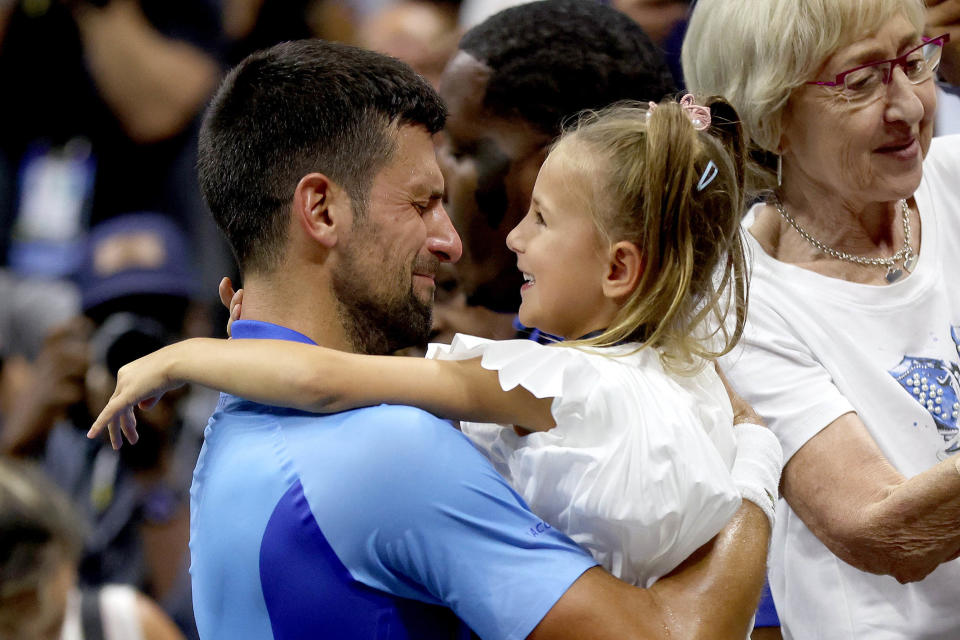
(321, 208)
(623, 271)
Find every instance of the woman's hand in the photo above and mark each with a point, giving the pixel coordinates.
(140, 383)
(742, 411)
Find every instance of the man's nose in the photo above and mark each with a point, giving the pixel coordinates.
(443, 240)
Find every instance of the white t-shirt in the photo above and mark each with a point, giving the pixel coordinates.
(637, 470)
(817, 347)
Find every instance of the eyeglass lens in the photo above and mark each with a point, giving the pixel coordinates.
(918, 65)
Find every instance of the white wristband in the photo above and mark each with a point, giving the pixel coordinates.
(756, 469)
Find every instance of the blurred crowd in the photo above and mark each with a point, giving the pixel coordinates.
(107, 252)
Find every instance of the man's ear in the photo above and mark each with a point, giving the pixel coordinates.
(623, 270)
(321, 208)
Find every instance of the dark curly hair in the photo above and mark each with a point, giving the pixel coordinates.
(555, 58)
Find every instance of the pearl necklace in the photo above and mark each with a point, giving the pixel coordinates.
(905, 255)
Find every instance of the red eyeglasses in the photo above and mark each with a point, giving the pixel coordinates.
(865, 83)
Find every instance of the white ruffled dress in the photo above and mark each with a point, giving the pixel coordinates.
(637, 470)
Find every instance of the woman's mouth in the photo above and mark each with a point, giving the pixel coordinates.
(903, 150)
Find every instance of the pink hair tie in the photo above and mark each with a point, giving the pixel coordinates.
(698, 114)
(700, 119)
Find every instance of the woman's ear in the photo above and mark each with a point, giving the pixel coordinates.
(321, 208)
(623, 271)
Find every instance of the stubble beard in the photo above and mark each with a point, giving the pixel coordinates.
(377, 323)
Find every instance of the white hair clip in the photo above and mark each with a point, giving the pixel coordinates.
(708, 175)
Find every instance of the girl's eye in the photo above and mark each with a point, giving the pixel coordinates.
(538, 218)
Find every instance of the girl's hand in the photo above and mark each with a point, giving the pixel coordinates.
(232, 300)
(140, 383)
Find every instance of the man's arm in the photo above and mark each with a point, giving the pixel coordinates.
(713, 594)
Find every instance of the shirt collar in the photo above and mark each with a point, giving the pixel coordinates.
(266, 331)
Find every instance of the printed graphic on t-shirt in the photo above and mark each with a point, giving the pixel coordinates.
(935, 384)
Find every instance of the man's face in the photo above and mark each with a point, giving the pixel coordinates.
(490, 165)
(385, 276)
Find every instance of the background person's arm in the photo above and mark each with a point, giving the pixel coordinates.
(943, 16)
(865, 511)
(154, 84)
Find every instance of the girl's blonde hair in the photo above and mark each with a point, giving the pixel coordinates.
(676, 193)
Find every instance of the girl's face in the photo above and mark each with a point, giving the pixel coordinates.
(561, 255)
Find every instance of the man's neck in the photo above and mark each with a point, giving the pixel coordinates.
(310, 310)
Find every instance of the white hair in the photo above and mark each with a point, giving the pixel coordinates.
(755, 53)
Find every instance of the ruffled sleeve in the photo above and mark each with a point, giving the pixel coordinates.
(631, 471)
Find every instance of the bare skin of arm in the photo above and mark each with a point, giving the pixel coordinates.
(155, 85)
(154, 623)
(713, 594)
(865, 511)
(320, 380)
(943, 16)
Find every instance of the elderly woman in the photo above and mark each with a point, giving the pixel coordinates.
(851, 349)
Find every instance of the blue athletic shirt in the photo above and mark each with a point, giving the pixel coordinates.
(371, 523)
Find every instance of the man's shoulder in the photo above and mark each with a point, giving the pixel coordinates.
(397, 414)
(400, 435)
(370, 440)
(396, 425)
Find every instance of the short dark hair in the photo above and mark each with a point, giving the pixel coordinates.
(293, 109)
(555, 58)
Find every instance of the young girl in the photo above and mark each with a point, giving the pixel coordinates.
(630, 251)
